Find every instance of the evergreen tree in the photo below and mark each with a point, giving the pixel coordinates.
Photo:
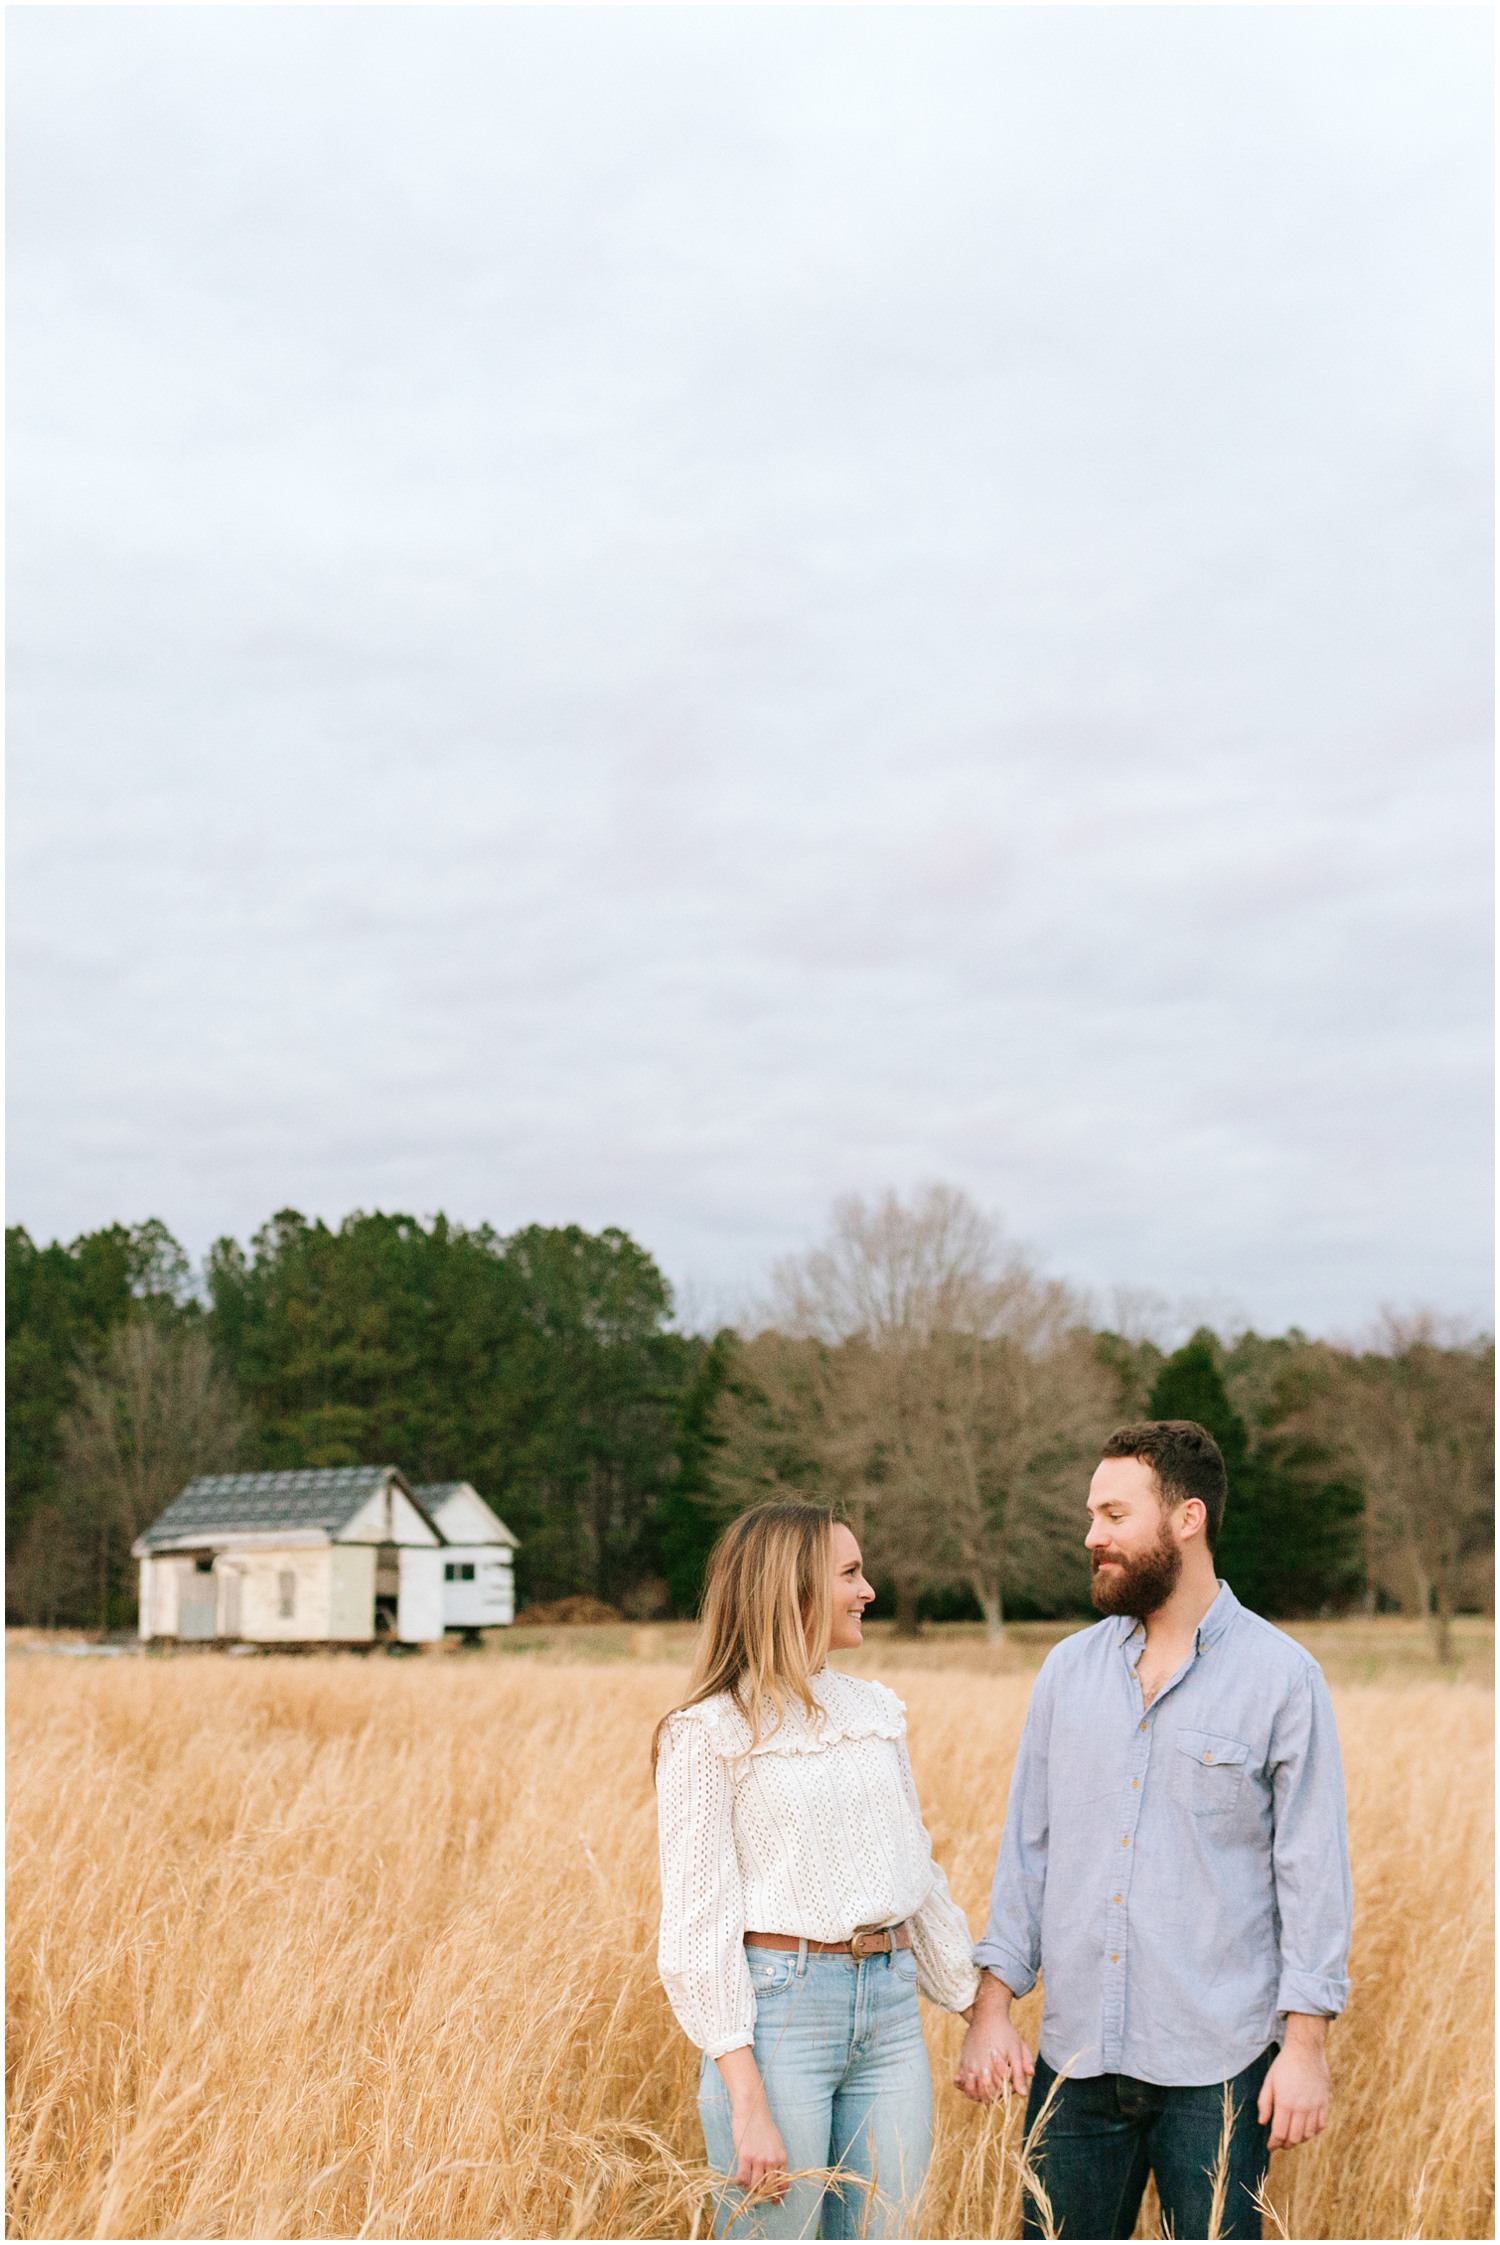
(539, 1367)
(691, 1514)
(1135, 1365)
(1289, 1543)
(590, 1403)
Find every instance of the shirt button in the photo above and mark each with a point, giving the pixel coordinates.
(1135, 1781)
(1208, 1757)
(1143, 1726)
(1125, 1843)
(1115, 1898)
(1114, 1960)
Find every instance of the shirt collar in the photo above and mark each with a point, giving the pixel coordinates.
(1220, 1614)
(1214, 1623)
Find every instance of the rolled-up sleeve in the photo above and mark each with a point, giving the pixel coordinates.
(701, 1950)
(1310, 1852)
(1011, 1946)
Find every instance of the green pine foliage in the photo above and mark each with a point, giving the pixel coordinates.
(1135, 1365)
(692, 1512)
(539, 1367)
(1290, 1543)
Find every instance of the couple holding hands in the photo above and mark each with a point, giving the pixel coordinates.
(1173, 1867)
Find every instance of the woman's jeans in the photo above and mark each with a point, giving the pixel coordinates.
(840, 2050)
(1102, 2137)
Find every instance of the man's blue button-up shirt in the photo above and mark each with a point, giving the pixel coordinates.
(1178, 1874)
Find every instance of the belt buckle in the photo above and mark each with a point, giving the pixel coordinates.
(870, 1941)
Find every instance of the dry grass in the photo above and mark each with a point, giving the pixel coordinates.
(337, 1949)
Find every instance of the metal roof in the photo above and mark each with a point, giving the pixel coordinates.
(318, 1497)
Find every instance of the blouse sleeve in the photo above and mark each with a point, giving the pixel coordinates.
(701, 1952)
(940, 1937)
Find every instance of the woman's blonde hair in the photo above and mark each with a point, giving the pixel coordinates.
(767, 1613)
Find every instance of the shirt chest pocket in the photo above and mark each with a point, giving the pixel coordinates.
(1208, 1771)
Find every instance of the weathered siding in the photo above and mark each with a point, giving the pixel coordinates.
(466, 1518)
(167, 1584)
(159, 1596)
(351, 1602)
(387, 1517)
(269, 1581)
(407, 1524)
(487, 1599)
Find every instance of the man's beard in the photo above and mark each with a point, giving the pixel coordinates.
(1139, 1586)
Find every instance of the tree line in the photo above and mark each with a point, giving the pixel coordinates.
(911, 1368)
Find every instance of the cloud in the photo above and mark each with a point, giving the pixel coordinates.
(646, 616)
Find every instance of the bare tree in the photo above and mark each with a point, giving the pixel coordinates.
(1016, 1428)
(892, 1274)
(48, 1582)
(156, 1411)
(924, 1377)
(831, 1421)
(1415, 1420)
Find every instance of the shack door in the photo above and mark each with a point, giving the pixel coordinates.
(198, 1601)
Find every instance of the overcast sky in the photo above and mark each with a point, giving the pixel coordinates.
(645, 616)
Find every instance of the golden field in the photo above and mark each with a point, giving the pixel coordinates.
(324, 1947)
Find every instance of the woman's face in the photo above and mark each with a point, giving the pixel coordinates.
(851, 1593)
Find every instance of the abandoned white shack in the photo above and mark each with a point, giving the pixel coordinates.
(338, 1555)
(479, 1581)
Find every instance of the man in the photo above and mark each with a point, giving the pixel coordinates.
(1174, 1867)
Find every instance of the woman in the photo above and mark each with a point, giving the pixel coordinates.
(801, 1907)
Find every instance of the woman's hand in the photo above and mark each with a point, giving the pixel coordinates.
(760, 2154)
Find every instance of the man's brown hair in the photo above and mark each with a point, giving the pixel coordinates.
(1186, 1461)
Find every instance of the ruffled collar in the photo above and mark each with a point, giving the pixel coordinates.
(850, 1707)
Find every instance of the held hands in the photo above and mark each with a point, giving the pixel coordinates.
(1294, 2094)
(994, 2060)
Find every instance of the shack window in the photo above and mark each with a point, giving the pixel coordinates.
(286, 1587)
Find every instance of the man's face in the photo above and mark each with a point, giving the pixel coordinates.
(1134, 1554)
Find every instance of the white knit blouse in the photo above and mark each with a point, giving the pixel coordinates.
(812, 1831)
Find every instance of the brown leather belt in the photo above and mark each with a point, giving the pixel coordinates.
(865, 1941)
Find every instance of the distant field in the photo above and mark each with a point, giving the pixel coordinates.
(331, 1947)
(1373, 1649)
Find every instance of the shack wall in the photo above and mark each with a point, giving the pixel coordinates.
(270, 1582)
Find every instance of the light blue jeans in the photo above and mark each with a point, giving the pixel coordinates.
(840, 2050)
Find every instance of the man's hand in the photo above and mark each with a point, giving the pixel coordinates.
(994, 2060)
(1294, 2094)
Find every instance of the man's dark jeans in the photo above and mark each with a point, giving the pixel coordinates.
(1102, 2138)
